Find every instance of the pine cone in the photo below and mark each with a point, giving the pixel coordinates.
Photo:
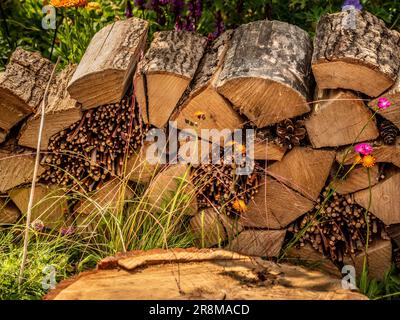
(290, 133)
(388, 132)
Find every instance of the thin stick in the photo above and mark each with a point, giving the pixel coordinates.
(35, 173)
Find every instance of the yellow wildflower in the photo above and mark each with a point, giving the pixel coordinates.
(93, 6)
(358, 159)
(69, 3)
(369, 161)
(239, 206)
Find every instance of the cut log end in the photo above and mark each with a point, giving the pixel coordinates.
(263, 101)
(351, 75)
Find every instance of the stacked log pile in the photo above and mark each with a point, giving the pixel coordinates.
(259, 76)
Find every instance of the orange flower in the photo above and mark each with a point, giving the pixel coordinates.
(239, 205)
(369, 161)
(358, 159)
(69, 3)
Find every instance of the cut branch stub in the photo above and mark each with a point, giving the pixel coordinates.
(105, 71)
(339, 118)
(165, 73)
(266, 72)
(61, 111)
(275, 206)
(304, 169)
(203, 107)
(385, 200)
(360, 57)
(22, 86)
(393, 112)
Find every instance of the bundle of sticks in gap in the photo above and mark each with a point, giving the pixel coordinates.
(95, 148)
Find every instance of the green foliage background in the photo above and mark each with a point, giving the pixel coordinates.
(21, 21)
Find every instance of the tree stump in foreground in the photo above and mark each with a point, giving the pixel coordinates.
(198, 274)
(360, 58)
(266, 72)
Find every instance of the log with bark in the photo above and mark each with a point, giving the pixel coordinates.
(165, 73)
(22, 86)
(198, 274)
(106, 69)
(339, 118)
(61, 111)
(203, 107)
(266, 73)
(49, 203)
(360, 57)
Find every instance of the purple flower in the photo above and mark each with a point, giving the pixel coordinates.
(219, 27)
(128, 9)
(384, 103)
(355, 3)
(66, 231)
(141, 4)
(364, 149)
(37, 225)
(177, 7)
(195, 9)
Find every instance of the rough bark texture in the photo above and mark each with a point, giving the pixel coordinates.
(49, 203)
(22, 86)
(165, 72)
(198, 274)
(61, 112)
(382, 152)
(173, 181)
(357, 180)
(363, 58)
(339, 118)
(266, 72)
(201, 106)
(385, 202)
(262, 243)
(304, 169)
(9, 213)
(16, 169)
(379, 259)
(392, 113)
(275, 206)
(105, 71)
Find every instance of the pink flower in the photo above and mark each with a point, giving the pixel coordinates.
(37, 225)
(66, 231)
(384, 103)
(364, 148)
